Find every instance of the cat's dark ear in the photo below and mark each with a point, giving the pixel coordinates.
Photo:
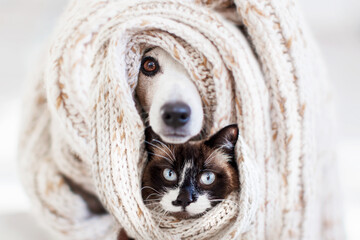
(150, 136)
(224, 139)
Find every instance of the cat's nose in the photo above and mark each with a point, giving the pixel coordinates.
(186, 196)
(175, 114)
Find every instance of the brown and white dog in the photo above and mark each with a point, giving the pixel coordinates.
(169, 97)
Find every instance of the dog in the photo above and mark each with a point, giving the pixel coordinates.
(169, 97)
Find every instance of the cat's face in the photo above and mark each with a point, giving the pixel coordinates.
(186, 180)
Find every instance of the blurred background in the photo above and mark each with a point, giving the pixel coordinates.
(25, 26)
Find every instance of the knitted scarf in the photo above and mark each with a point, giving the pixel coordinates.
(82, 120)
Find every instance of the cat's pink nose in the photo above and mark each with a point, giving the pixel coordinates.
(186, 196)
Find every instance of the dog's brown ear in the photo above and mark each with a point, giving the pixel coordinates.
(225, 139)
(150, 139)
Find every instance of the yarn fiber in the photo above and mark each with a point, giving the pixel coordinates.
(82, 120)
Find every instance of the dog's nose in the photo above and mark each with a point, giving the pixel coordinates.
(175, 114)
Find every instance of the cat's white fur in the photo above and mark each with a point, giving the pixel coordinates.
(201, 204)
(187, 165)
(168, 198)
(171, 84)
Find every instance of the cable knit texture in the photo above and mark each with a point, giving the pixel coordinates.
(81, 119)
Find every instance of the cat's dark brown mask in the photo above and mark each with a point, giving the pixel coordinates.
(188, 179)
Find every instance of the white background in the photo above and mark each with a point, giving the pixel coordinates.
(26, 24)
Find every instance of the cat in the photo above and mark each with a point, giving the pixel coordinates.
(186, 180)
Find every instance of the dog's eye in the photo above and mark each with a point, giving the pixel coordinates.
(149, 66)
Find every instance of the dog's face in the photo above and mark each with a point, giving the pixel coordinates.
(168, 95)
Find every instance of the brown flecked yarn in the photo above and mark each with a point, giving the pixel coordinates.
(81, 120)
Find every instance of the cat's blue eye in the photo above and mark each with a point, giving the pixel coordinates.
(207, 178)
(169, 175)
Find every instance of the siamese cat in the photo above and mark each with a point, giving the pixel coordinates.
(186, 180)
(183, 180)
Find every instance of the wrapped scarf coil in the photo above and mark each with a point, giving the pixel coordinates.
(85, 123)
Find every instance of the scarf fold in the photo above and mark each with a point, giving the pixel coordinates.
(267, 77)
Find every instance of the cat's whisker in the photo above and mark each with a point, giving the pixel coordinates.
(210, 157)
(172, 157)
(158, 208)
(160, 156)
(152, 203)
(220, 199)
(152, 195)
(164, 145)
(152, 200)
(228, 200)
(153, 206)
(148, 187)
(155, 146)
(162, 216)
(158, 195)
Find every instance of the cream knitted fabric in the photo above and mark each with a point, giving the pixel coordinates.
(82, 121)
